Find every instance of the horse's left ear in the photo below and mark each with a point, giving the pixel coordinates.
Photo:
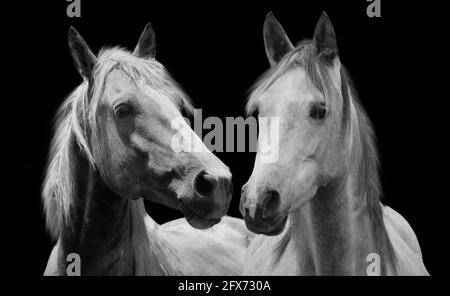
(325, 38)
(146, 47)
(276, 41)
(83, 57)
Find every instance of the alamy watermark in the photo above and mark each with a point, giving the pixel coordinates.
(74, 266)
(268, 141)
(374, 8)
(74, 8)
(374, 264)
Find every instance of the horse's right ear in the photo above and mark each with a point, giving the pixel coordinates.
(276, 41)
(83, 57)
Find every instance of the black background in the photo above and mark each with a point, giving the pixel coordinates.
(216, 52)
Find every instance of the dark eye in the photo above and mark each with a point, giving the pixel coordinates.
(122, 110)
(318, 111)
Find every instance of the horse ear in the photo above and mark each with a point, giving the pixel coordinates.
(146, 47)
(276, 41)
(84, 59)
(325, 38)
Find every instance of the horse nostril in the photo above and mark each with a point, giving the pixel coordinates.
(244, 190)
(271, 203)
(204, 184)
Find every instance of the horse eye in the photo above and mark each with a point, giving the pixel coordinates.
(318, 111)
(122, 110)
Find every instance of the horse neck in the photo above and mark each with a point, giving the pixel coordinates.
(333, 232)
(112, 235)
(152, 255)
(339, 224)
(97, 224)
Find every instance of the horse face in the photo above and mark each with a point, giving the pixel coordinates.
(132, 137)
(308, 151)
(145, 162)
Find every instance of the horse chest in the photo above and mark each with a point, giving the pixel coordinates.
(266, 257)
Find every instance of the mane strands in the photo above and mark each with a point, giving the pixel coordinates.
(304, 55)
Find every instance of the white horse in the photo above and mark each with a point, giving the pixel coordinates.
(112, 147)
(317, 207)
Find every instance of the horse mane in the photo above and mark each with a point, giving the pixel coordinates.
(366, 153)
(77, 117)
(369, 185)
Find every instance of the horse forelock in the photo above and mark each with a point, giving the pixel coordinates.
(305, 56)
(143, 72)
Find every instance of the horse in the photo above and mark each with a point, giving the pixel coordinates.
(316, 208)
(111, 149)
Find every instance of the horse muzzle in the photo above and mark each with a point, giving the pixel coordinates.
(209, 202)
(262, 215)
